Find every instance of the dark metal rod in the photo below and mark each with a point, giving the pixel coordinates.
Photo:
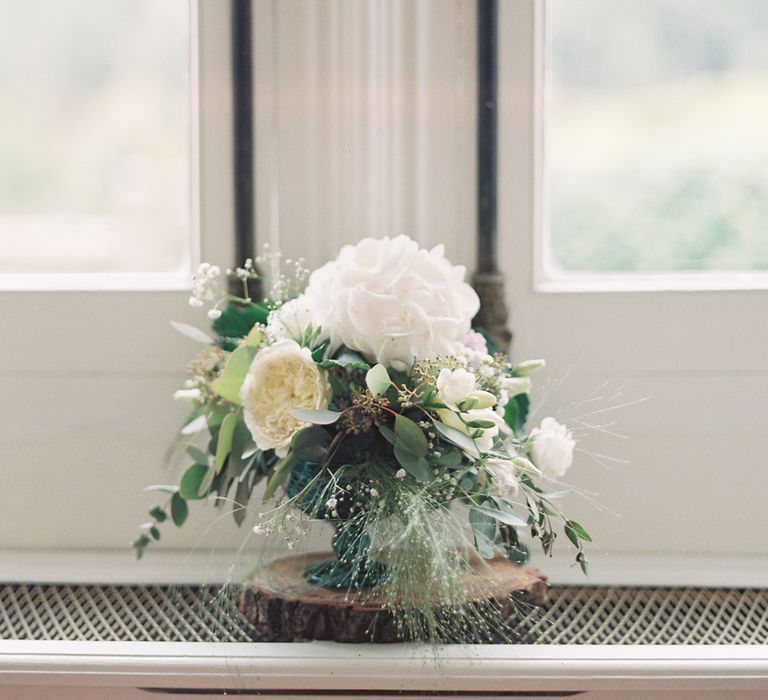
(487, 129)
(242, 111)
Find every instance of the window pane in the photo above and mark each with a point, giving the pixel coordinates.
(94, 136)
(657, 137)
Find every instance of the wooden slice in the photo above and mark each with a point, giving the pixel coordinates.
(279, 601)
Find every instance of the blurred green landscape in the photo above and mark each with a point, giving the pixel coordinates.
(657, 140)
(94, 136)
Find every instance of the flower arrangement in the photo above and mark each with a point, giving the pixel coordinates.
(367, 401)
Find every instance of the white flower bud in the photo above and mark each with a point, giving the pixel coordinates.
(528, 366)
(214, 314)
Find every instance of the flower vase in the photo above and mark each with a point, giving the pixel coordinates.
(354, 567)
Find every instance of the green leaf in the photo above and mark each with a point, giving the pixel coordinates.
(196, 425)
(229, 383)
(154, 532)
(279, 475)
(377, 379)
(197, 454)
(481, 423)
(236, 321)
(583, 563)
(224, 444)
(523, 402)
(458, 438)
(238, 457)
(502, 516)
(311, 444)
(317, 416)
(572, 536)
(449, 458)
(192, 332)
(179, 510)
(411, 436)
(347, 359)
(254, 337)
(416, 466)
(164, 488)
(158, 514)
(388, 434)
(189, 486)
(242, 495)
(578, 530)
(215, 415)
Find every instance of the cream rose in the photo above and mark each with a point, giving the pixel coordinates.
(392, 301)
(553, 447)
(282, 377)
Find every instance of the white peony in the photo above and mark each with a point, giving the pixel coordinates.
(392, 301)
(504, 476)
(281, 378)
(553, 447)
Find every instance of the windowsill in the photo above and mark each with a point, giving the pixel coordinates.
(334, 667)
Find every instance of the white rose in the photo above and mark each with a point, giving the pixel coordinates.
(292, 320)
(552, 449)
(281, 378)
(454, 385)
(392, 301)
(504, 475)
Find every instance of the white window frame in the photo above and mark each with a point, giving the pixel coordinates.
(210, 191)
(672, 337)
(69, 339)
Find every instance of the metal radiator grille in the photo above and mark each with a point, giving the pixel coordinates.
(575, 615)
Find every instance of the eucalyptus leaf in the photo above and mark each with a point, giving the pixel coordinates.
(195, 426)
(318, 416)
(347, 359)
(196, 454)
(416, 466)
(229, 383)
(215, 415)
(179, 510)
(481, 423)
(458, 438)
(242, 449)
(224, 443)
(163, 488)
(154, 532)
(578, 530)
(411, 436)
(583, 563)
(192, 332)
(311, 444)
(388, 434)
(158, 514)
(279, 475)
(502, 516)
(242, 496)
(377, 379)
(191, 481)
